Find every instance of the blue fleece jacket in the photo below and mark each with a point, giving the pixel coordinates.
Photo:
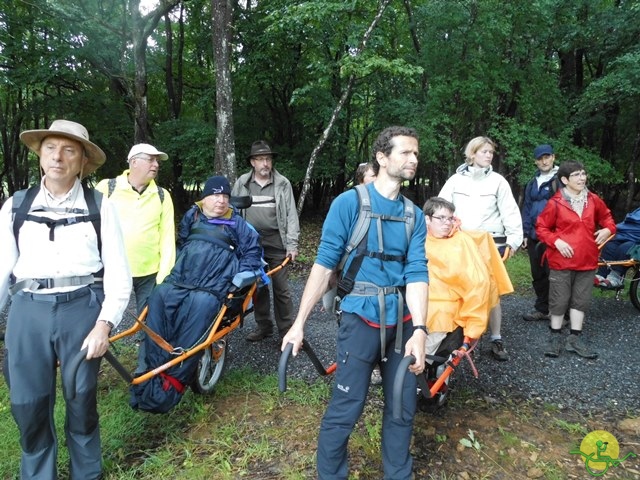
(336, 233)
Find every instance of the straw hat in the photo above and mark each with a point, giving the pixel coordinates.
(65, 128)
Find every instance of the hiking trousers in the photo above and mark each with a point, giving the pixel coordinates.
(282, 301)
(358, 352)
(42, 329)
(539, 274)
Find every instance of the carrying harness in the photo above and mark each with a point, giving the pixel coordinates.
(22, 203)
(347, 285)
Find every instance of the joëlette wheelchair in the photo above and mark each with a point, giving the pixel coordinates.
(632, 275)
(212, 346)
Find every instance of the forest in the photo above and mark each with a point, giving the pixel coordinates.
(318, 79)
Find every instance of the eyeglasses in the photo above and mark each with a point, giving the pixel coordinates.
(578, 174)
(443, 219)
(149, 159)
(262, 158)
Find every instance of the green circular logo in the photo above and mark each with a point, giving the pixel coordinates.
(600, 447)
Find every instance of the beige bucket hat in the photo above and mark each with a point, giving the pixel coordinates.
(66, 128)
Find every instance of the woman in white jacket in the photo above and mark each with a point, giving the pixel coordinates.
(484, 201)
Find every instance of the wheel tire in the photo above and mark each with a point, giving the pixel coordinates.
(634, 288)
(210, 367)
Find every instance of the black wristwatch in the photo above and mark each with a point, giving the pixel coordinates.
(420, 327)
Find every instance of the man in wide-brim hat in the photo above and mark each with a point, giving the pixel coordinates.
(94, 157)
(273, 214)
(69, 289)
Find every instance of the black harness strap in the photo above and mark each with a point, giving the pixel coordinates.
(25, 200)
(217, 236)
(22, 201)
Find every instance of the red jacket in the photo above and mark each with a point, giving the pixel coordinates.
(558, 220)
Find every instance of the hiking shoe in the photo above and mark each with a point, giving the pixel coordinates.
(498, 350)
(552, 349)
(576, 345)
(535, 316)
(258, 335)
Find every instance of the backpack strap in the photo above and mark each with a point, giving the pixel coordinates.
(361, 227)
(23, 200)
(112, 187)
(94, 203)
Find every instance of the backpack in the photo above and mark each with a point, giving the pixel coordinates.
(358, 241)
(112, 187)
(23, 199)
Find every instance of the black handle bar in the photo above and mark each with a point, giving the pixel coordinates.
(72, 372)
(284, 361)
(398, 385)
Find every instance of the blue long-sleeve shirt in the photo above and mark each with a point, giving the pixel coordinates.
(336, 233)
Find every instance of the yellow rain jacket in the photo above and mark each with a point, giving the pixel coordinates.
(466, 278)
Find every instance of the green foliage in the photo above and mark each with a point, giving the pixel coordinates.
(521, 72)
(471, 441)
(520, 272)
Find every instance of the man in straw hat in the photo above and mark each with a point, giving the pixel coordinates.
(273, 214)
(70, 286)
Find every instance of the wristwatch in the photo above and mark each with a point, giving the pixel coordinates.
(420, 327)
(109, 324)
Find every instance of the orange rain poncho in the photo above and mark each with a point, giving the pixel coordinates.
(466, 278)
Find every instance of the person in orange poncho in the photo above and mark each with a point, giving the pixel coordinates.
(466, 275)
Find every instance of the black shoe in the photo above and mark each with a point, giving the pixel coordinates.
(535, 316)
(258, 335)
(498, 350)
(576, 345)
(552, 348)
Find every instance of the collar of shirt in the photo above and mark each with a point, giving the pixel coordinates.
(268, 182)
(70, 196)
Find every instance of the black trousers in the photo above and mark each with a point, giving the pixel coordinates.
(539, 274)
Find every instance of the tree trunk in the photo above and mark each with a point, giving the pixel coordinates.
(174, 81)
(631, 177)
(225, 157)
(336, 111)
(142, 28)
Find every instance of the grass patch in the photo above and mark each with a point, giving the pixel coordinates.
(575, 429)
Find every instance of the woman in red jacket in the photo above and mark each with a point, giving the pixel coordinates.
(572, 225)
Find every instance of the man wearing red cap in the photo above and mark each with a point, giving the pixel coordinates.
(71, 285)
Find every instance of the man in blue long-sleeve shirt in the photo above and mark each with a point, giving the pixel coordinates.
(536, 195)
(392, 274)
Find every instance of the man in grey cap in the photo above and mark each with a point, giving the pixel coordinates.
(536, 195)
(63, 249)
(147, 219)
(273, 214)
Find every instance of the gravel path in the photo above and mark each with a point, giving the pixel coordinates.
(606, 384)
(590, 386)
